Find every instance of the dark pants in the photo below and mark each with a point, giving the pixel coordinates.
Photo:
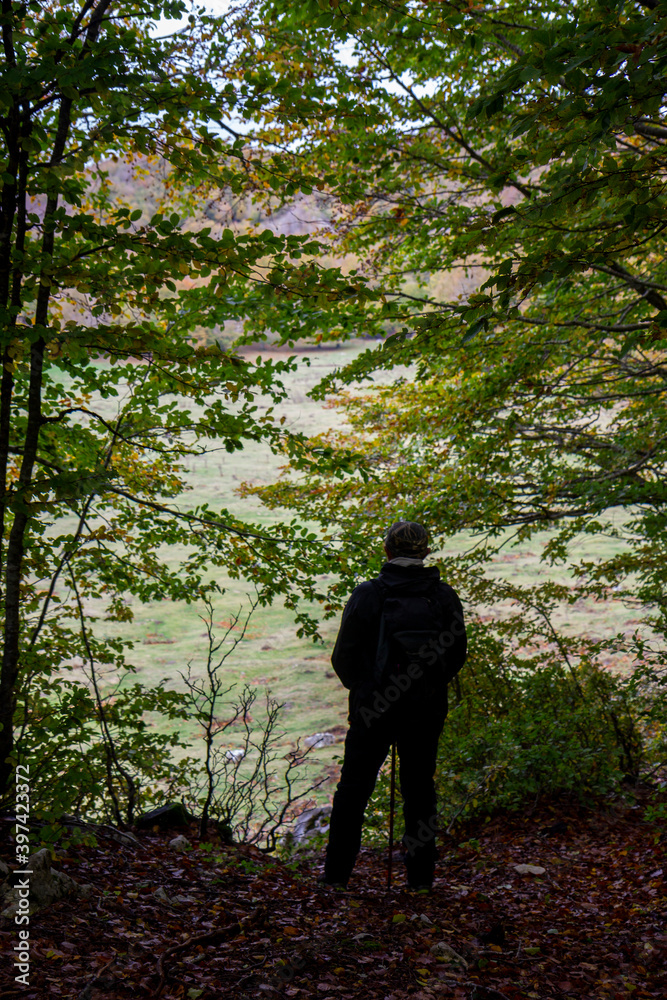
(415, 729)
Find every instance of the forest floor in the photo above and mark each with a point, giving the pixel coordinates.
(233, 922)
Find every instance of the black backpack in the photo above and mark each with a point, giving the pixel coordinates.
(412, 642)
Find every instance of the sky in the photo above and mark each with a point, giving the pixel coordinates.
(166, 25)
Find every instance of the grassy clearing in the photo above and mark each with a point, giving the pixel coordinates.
(168, 635)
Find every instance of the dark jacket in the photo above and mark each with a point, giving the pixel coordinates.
(353, 657)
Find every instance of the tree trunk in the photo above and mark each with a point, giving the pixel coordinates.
(14, 564)
(18, 126)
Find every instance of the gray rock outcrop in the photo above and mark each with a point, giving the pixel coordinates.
(37, 886)
(307, 825)
(320, 740)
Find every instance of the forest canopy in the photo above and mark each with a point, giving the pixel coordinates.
(498, 171)
(523, 148)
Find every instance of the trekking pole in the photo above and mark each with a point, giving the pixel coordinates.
(392, 797)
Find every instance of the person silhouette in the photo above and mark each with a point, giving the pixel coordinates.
(402, 638)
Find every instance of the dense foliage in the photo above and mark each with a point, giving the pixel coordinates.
(492, 178)
(498, 171)
(104, 390)
(523, 146)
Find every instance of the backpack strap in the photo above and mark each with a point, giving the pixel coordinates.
(382, 590)
(411, 642)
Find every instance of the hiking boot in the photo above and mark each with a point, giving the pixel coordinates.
(331, 884)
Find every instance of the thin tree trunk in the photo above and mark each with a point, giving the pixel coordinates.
(15, 553)
(17, 536)
(19, 123)
(8, 206)
(7, 390)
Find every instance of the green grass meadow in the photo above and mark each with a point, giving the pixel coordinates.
(168, 635)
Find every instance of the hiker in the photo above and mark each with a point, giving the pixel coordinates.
(401, 639)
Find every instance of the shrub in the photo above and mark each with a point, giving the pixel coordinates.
(519, 735)
(522, 728)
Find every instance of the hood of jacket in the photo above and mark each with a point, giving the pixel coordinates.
(412, 579)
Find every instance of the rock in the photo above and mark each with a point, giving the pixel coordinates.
(442, 950)
(320, 740)
(225, 832)
(555, 829)
(179, 843)
(45, 886)
(234, 755)
(529, 869)
(308, 824)
(174, 814)
(123, 837)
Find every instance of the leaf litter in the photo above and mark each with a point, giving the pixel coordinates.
(233, 922)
